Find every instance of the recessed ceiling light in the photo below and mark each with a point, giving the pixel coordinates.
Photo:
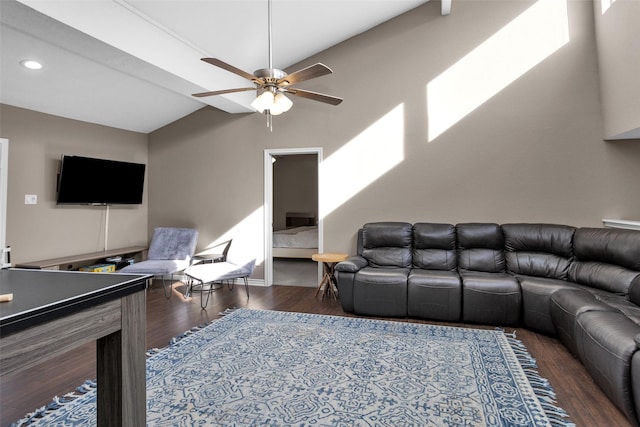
(31, 64)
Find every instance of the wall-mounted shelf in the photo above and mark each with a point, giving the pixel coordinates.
(76, 261)
(621, 223)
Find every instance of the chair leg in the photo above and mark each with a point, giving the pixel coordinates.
(164, 287)
(205, 303)
(188, 289)
(246, 286)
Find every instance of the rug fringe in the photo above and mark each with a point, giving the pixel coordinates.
(227, 311)
(55, 404)
(541, 386)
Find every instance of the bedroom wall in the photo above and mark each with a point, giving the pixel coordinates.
(295, 187)
(492, 113)
(42, 231)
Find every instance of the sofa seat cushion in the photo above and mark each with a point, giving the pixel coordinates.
(381, 292)
(490, 298)
(536, 300)
(434, 294)
(565, 307)
(608, 346)
(620, 303)
(379, 275)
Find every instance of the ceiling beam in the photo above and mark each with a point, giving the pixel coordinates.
(445, 6)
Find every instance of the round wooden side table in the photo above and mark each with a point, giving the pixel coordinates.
(328, 284)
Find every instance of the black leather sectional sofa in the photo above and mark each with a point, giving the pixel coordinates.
(581, 285)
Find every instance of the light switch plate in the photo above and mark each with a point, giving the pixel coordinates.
(30, 199)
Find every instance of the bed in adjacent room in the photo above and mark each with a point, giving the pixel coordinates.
(298, 240)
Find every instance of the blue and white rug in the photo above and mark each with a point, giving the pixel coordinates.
(268, 368)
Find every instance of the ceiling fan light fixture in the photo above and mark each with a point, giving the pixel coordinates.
(264, 101)
(281, 102)
(275, 111)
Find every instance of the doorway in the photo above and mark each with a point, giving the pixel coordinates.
(293, 228)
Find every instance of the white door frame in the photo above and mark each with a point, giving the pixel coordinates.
(269, 153)
(4, 175)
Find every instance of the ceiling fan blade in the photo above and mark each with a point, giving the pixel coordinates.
(230, 68)
(311, 72)
(220, 92)
(328, 99)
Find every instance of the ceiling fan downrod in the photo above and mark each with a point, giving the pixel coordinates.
(270, 46)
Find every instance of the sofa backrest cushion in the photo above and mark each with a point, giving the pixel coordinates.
(434, 246)
(606, 258)
(480, 247)
(541, 250)
(387, 244)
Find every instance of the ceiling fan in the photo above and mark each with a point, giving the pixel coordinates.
(274, 83)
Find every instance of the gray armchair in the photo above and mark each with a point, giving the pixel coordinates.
(170, 252)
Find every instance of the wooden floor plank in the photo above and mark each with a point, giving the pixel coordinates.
(166, 318)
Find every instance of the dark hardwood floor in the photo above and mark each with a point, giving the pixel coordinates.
(24, 392)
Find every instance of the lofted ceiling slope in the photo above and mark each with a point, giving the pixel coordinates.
(133, 64)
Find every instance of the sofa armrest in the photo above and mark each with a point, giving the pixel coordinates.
(352, 265)
(345, 276)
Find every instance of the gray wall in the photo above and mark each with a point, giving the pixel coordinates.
(44, 230)
(619, 60)
(533, 151)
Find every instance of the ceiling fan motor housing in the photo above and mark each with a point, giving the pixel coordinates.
(270, 75)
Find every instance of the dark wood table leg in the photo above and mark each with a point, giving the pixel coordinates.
(121, 368)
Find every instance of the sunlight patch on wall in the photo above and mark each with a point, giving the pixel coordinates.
(606, 4)
(496, 63)
(248, 234)
(362, 161)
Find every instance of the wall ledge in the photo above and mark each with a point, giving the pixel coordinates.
(621, 223)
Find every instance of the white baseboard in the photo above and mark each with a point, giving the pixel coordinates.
(256, 282)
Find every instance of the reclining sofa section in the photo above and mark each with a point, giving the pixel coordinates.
(581, 285)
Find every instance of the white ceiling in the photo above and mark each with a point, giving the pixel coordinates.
(133, 64)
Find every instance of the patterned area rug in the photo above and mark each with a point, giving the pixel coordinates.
(268, 368)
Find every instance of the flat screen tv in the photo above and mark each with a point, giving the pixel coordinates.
(89, 181)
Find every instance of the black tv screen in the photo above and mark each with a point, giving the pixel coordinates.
(89, 181)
